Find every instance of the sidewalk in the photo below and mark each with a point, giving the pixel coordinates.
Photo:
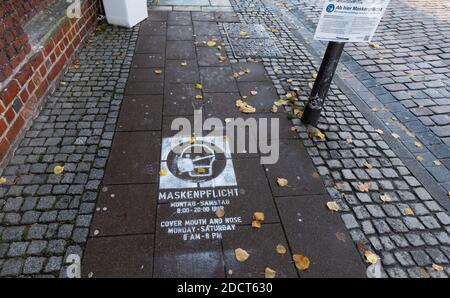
(124, 204)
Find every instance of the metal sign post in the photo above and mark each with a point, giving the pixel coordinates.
(341, 21)
(323, 82)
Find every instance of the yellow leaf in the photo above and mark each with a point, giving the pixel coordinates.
(395, 135)
(280, 102)
(256, 224)
(270, 273)
(367, 166)
(198, 97)
(301, 262)
(408, 211)
(364, 187)
(385, 198)
(243, 33)
(2, 180)
(314, 76)
(418, 144)
(220, 213)
(338, 186)
(370, 257)
(419, 158)
(280, 249)
(245, 107)
(310, 85)
(253, 92)
(247, 70)
(282, 182)
(163, 172)
(201, 170)
(259, 216)
(274, 30)
(289, 81)
(58, 170)
(374, 45)
(333, 206)
(274, 109)
(241, 254)
(158, 71)
(437, 162)
(191, 139)
(198, 86)
(211, 43)
(379, 131)
(289, 95)
(437, 267)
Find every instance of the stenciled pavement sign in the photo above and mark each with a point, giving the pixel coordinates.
(350, 20)
(197, 181)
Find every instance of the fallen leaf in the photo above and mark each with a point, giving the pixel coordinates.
(370, 257)
(379, 131)
(349, 141)
(437, 267)
(289, 95)
(241, 254)
(200, 170)
(221, 58)
(274, 109)
(317, 133)
(418, 144)
(448, 194)
(253, 92)
(314, 75)
(281, 249)
(364, 187)
(424, 273)
(274, 30)
(280, 102)
(184, 63)
(220, 213)
(437, 162)
(191, 139)
(374, 45)
(198, 97)
(58, 170)
(270, 273)
(282, 182)
(385, 198)
(245, 107)
(259, 216)
(338, 186)
(301, 262)
(243, 33)
(2, 180)
(256, 224)
(158, 71)
(198, 86)
(289, 81)
(247, 70)
(333, 206)
(395, 135)
(367, 166)
(408, 211)
(211, 43)
(419, 158)
(163, 172)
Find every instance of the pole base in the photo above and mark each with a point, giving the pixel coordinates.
(311, 116)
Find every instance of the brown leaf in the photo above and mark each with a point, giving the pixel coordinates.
(364, 187)
(2, 180)
(241, 254)
(282, 182)
(333, 206)
(437, 267)
(256, 224)
(385, 198)
(367, 166)
(58, 170)
(281, 249)
(270, 273)
(220, 213)
(259, 216)
(301, 262)
(158, 71)
(370, 257)
(408, 211)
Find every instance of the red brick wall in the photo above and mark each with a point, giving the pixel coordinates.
(26, 91)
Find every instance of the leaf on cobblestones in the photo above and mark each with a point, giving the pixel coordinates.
(361, 246)
(274, 30)
(295, 129)
(395, 135)
(437, 162)
(349, 141)
(241, 254)
(158, 71)
(375, 109)
(220, 213)
(289, 81)
(301, 262)
(424, 273)
(448, 194)
(316, 133)
(379, 131)
(163, 172)
(76, 64)
(333, 206)
(371, 257)
(198, 86)
(280, 102)
(198, 97)
(419, 158)
(2, 180)
(245, 107)
(280, 249)
(374, 45)
(408, 211)
(364, 187)
(211, 43)
(437, 267)
(314, 75)
(274, 109)
(243, 34)
(62, 83)
(221, 58)
(270, 273)
(338, 186)
(385, 198)
(367, 166)
(254, 92)
(191, 139)
(418, 144)
(58, 170)
(184, 63)
(282, 182)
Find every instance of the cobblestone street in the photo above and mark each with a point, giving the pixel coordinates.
(118, 203)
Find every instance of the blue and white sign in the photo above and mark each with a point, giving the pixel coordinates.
(350, 20)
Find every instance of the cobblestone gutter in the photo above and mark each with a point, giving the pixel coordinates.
(44, 217)
(407, 244)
